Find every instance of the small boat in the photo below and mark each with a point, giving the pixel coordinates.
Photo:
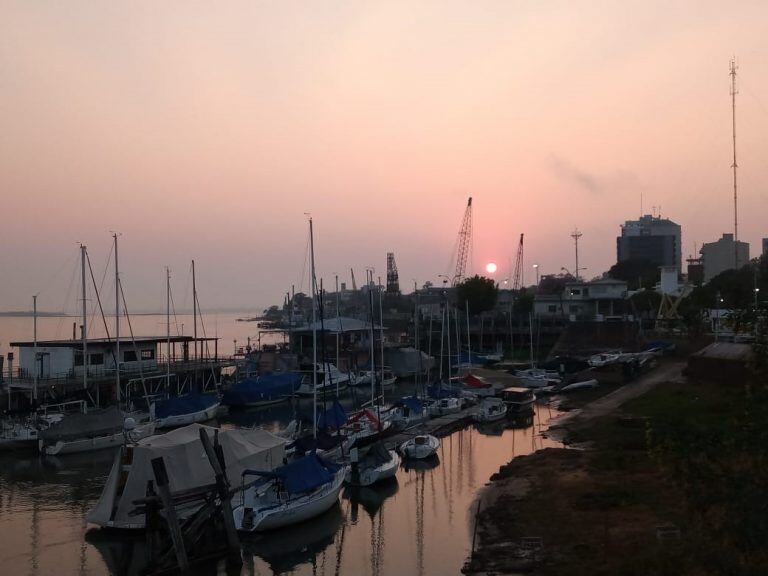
(598, 360)
(364, 428)
(184, 410)
(329, 379)
(580, 386)
(491, 410)
(18, 435)
(364, 379)
(444, 406)
(290, 494)
(478, 386)
(518, 400)
(537, 378)
(408, 412)
(376, 465)
(262, 391)
(95, 430)
(420, 447)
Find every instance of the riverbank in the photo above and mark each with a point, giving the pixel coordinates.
(667, 479)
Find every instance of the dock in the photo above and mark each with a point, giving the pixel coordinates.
(439, 427)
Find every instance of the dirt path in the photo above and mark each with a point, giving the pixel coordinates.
(610, 402)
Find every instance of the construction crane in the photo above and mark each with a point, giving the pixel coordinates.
(354, 284)
(464, 244)
(393, 282)
(517, 277)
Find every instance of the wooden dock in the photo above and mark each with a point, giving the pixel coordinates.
(441, 426)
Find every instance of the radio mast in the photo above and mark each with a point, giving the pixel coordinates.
(734, 67)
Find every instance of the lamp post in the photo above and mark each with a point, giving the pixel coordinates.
(536, 267)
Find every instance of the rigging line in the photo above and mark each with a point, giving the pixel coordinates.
(175, 319)
(101, 309)
(303, 275)
(66, 298)
(133, 340)
(101, 286)
(51, 281)
(202, 325)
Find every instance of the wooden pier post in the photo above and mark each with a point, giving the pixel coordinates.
(161, 477)
(222, 485)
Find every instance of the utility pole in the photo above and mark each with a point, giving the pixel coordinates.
(734, 67)
(117, 324)
(576, 235)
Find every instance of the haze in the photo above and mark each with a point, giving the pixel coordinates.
(207, 132)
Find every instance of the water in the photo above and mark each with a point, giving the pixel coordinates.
(418, 524)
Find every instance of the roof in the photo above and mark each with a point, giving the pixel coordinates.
(338, 325)
(78, 344)
(726, 351)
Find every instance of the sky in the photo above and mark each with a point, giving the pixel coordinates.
(210, 132)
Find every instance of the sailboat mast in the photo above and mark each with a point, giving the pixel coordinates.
(194, 307)
(85, 319)
(34, 333)
(530, 332)
(117, 323)
(338, 329)
(381, 338)
(168, 328)
(314, 329)
(369, 281)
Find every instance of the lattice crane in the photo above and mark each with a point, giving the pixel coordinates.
(517, 277)
(464, 244)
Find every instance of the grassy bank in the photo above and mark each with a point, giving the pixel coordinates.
(674, 483)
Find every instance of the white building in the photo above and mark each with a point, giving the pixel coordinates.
(600, 300)
(720, 256)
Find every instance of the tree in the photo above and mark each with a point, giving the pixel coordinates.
(637, 273)
(481, 293)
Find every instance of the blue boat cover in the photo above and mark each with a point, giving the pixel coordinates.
(187, 404)
(301, 475)
(438, 391)
(472, 358)
(266, 387)
(335, 417)
(412, 402)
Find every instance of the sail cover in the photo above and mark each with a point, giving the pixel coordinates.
(302, 475)
(187, 404)
(187, 466)
(335, 417)
(266, 387)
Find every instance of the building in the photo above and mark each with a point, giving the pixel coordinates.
(765, 246)
(719, 256)
(650, 238)
(600, 300)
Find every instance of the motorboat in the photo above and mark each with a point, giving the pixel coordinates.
(18, 435)
(604, 359)
(329, 379)
(518, 400)
(183, 410)
(290, 494)
(365, 378)
(376, 465)
(420, 447)
(580, 386)
(479, 386)
(491, 410)
(537, 378)
(444, 406)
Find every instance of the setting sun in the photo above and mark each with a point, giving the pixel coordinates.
(490, 267)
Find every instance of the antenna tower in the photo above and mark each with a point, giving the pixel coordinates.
(576, 235)
(393, 283)
(734, 67)
(464, 244)
(517, 278)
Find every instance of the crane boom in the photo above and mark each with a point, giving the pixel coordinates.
(464, 244)
(517, 278)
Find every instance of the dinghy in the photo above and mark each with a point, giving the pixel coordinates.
(420, 447)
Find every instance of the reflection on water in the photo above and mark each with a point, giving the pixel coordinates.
(417, 523)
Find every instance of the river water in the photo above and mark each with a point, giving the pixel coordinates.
(418, 524)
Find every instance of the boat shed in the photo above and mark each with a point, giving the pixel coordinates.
(64, 358)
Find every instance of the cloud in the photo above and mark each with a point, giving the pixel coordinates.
(595, 184)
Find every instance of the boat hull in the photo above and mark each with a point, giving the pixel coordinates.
(186, 419)
(413, 450)
(300, 510)
(96, 443)
(372, 475)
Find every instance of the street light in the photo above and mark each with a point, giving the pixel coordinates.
(536, 267)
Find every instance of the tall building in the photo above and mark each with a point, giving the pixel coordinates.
(765, 246)
(719, 256)
(651, 238)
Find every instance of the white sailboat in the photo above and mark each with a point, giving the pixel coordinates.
(290, 494)
(376, 465)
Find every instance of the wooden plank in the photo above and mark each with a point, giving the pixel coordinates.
(223, 488)
(161, 478)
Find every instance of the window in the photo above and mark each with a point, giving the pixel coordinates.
(552, 308)
(147, 354)
(129, 356)
(575, 292)
(78, 358)
(95, 359)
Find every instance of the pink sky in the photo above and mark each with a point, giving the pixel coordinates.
(208, 132)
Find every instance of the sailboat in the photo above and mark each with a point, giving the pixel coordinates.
(376, 465)
(290, 494)
(191, 408)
